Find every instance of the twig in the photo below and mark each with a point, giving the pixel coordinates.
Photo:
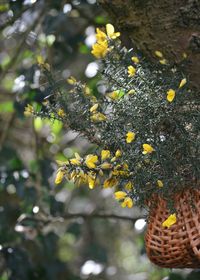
(20, 47)
(70, 216)
(17, 16)
(99, 216)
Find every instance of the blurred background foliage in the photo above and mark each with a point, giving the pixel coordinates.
(63, 232)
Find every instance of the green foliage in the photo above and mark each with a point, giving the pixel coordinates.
(137, 103)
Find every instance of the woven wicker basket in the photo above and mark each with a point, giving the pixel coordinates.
(179, 245)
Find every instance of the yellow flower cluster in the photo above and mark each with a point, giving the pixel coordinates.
(90, 169)
(87, 169)
(101, 47)
(96, 116)
(28, 110)
(125, 200)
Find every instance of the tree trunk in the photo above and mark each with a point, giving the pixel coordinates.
(170, 26)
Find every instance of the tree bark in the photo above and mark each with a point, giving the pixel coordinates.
(170, 26)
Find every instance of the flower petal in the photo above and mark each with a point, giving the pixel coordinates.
(110, 29)
(171, 95)
(171, 220)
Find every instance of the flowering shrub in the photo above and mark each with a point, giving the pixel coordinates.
(146, 126)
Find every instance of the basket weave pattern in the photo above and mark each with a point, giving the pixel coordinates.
(179, 245)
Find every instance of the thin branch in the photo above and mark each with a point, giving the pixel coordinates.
(16, 17)
(20, 47)
(99, 216)
(70, 216)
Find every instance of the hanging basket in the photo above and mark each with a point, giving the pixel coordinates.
(179, 245)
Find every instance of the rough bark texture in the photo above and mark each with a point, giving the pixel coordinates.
(171, 26)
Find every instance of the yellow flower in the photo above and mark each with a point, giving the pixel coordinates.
(118, 153)
(98, 117)
(171, 95)
(129, 186)
(135, 59)
(113, 95)
(40, 60)
(77, 156)
(100, 49)
(130, 137)
(159, 54)
(101, 172)
(147, 149)
(87, 91)
(121, 170)
(61, 113)
(125, 166)
(72, 175)
(163, 61)
(100, 35)
(171, 220)
(160, 183)
(106, 165)
(110, 182)
(183, 82)
(71, 80)
(128, 202)
(185, 55)
(120, 195)
(111, 31)
(91, 180)
(91, 161)
(59, 177)
(81, 178)
(61, 163)
(28, 110)
(113, 159)
(131, 71)
(132, 91)
(120, 173)
(105, 154)
(75, 161)
(94, 108)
